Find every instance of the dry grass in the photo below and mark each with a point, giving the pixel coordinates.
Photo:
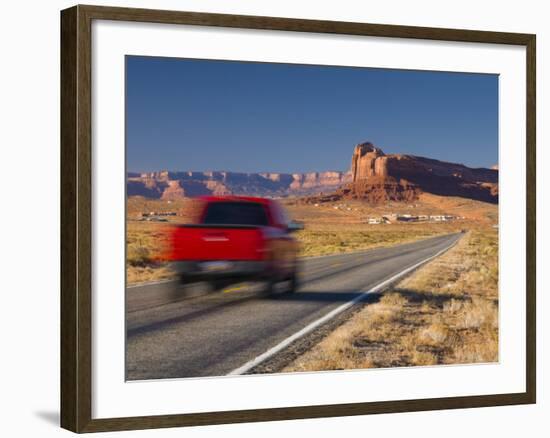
(145, 246)
(324, 239)
(445, 313)
(140, 274)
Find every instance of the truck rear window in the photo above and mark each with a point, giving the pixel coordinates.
(235, 213)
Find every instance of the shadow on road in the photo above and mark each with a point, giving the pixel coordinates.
(223, 302)
(325, 297)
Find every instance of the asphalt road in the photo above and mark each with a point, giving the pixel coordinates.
(172, 334)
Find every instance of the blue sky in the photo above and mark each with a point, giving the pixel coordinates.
(184, 114)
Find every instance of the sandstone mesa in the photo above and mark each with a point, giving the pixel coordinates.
(374, 177)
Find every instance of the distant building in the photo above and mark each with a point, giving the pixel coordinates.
(159, 213)
(407, 218)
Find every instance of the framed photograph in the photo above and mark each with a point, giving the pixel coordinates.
(270, 218)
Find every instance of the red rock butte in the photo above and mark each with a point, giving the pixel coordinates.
(377, 177)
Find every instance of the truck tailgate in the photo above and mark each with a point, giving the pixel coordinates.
(217, 242)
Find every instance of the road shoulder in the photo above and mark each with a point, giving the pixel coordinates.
(446, 312)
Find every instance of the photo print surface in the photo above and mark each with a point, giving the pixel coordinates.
(300, 218)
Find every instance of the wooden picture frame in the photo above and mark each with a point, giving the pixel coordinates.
(76, 217)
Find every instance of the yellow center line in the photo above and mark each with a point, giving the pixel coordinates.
(234, 289)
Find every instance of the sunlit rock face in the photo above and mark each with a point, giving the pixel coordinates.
(367, 161)
(377, 177)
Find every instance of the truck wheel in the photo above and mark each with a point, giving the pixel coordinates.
(269, 287)
(183, 288)
(293, 283)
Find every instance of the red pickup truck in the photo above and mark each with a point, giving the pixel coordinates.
(236, 239)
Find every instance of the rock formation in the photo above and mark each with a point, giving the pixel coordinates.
(378, 177)
(173, 191)
(367, 161)
(374, 176)
(172, 185)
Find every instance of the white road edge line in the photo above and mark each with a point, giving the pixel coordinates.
(312, 326)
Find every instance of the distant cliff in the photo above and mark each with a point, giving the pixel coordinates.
(172, 185)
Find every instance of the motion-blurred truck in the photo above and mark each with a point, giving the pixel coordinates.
(236, 239)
